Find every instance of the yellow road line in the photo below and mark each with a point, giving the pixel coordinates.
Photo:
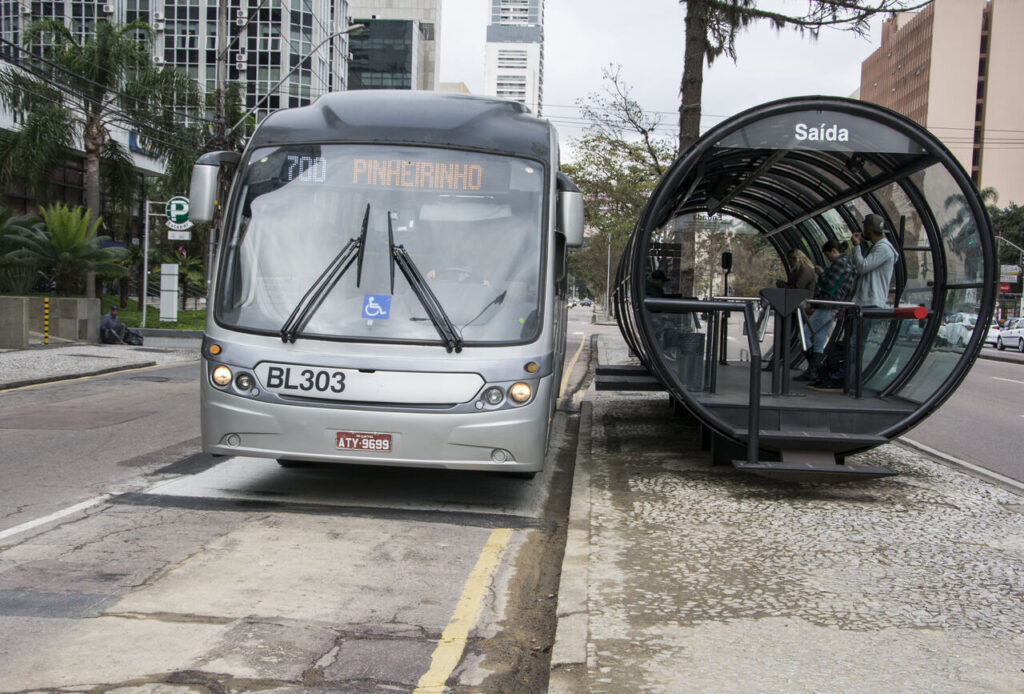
(568, 369)
(453, 641)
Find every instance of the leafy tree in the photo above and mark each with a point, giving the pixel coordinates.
(619, 160)
(712, 25)
(1009, 224)
(107, 79)
(67, 248)
(17, 276)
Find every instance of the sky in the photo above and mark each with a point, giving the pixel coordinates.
(645, 38)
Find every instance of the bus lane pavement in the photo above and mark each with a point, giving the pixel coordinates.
(246, 575)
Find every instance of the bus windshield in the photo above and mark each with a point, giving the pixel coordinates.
(470, 223)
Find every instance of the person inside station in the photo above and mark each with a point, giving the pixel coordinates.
(837, 283)
(875, 267)
(656, 283)
(801, 273)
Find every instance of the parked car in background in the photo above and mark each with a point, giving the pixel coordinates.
(585, 302)
(957, 328)
(992, 336)
(1011, 335)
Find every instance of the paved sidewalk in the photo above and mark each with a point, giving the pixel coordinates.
(680, 576)
(66, 360)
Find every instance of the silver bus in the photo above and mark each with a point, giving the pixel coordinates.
(389, 284)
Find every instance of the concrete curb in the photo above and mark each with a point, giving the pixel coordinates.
(1010, 485)
(569, 652)
(69, 377)
(998, 356)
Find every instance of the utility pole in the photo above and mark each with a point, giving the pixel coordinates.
(222, 70)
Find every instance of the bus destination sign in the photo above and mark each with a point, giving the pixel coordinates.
(424, 175)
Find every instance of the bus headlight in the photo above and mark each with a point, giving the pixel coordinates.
(493, 396)
(222, 375)
(243, 381)
(520, 392)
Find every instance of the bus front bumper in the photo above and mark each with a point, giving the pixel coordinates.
(511, 440)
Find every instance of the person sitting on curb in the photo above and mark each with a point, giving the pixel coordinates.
(112, 330)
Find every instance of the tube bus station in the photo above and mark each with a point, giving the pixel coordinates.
(795, 174)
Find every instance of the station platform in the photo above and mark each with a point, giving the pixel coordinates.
(682, 576)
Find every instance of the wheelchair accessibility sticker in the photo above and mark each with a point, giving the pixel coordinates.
(376, 306)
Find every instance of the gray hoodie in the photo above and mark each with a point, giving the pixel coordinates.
(874, 269)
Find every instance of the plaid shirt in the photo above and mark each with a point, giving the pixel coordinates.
(839, 282)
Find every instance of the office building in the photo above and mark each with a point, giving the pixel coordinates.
(514, 52)
(397, 49)
(954, 67)
(284, 53)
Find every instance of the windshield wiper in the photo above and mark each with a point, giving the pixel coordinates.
(442, 323)
(496, 301)
(321, 287)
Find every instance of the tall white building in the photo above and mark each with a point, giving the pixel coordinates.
(514, 57)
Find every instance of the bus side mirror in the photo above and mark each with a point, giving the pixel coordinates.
(570, 211)
(202, 193)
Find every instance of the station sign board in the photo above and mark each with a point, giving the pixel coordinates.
(1009, 270)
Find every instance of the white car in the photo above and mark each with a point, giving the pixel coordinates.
(992, 336)
(957, 328)
(1012, 334)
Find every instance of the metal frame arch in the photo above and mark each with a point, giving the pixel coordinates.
(815, 184)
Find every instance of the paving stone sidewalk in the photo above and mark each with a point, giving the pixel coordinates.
(680, 576)
(44, 363)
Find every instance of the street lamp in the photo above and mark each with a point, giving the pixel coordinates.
(351, 29)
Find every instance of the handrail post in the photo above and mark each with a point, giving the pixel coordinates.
(861, 344)
(713, 361)
(754, 395)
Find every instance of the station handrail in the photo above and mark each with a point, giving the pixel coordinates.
(661, 305)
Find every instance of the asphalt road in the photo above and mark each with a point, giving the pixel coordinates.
(169, 566)
(983, 421)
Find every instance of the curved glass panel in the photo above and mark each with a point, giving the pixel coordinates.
(471, 223)
(947, 349)
(839, 227)
(957, 227)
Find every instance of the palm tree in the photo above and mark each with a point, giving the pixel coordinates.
(68, 247)
(16, 276)
(91, 85)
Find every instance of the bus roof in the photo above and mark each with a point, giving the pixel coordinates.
(411, 117)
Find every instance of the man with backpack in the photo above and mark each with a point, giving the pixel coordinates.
(874, 268)
(114, 332)
(837, 283)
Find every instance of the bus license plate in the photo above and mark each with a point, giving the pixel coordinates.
(363, 441)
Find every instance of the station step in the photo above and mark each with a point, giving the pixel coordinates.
(808, 440)
(811, 471)
(626, 377)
